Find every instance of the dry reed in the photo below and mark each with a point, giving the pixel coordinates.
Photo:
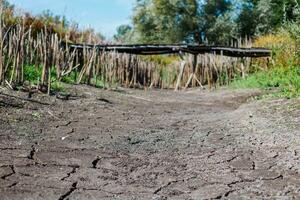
(20, 48)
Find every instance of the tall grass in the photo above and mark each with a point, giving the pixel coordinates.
(283, 72)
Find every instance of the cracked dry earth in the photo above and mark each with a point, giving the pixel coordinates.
(132, 144)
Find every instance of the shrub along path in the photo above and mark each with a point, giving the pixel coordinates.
(131, 144)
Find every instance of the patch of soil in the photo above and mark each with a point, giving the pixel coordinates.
(156, 144)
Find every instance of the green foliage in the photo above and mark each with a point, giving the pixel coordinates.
(286, 80)
(99, 82)
(284, 72)
(36, 115)
(216, 21)
(221, 32)
(294, 31)
(124, 34)
(70, 79)
(247, 19)
(32, 74)
(177, 21)
(58, 87)
(272, 14)
(165, 21)
(212, 21)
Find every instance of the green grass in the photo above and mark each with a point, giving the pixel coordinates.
(285, 80)
(58, 87)
(70, 79)
(32, 74)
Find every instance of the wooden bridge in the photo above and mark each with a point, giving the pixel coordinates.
(155, 49)
(159, 49)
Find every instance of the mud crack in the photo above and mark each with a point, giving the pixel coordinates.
(164, 186)
(227, 161)
(225, 195)
(67, 123)
(253, 166)
(171, 182)
(273, 179)
(95, 162)
(10, 174)
(68, 193)
(74, 169)
(32, 153)
(104, 100)
(13, 185)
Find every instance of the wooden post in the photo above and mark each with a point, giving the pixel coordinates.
(243, 68)
(193, 75)
(182, 65)
(46, 73)
(194, 64)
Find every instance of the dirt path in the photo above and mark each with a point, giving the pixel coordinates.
(133, 144)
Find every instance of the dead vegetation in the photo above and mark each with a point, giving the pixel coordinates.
(50, 62)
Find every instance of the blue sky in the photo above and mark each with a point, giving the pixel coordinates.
(102, 15)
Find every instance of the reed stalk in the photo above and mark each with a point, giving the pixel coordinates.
(19, 49)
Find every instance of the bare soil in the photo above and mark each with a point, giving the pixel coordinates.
(157, 144)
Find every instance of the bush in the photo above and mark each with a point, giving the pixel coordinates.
(32, 74)
(285, 79)
(284, 44)
(284, 71)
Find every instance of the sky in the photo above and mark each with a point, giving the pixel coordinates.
(102, 15)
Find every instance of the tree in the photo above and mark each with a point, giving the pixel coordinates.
(124, 34)
(284, 10)
(168, 21)
(217, 26)
(143, 21)
(7, 5)
(211, 21)
(247, 19)
(221, 32)
(274, 13)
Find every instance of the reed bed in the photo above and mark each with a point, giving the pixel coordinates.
(20, 50)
